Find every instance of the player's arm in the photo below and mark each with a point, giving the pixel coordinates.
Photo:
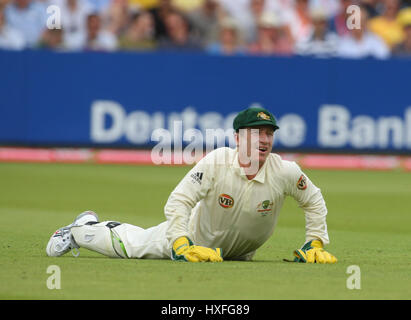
(311, 200)
(191, 189)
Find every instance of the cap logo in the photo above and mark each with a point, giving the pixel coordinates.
(263, 116)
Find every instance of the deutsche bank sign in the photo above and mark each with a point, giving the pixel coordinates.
(336, 127)
(142, 100)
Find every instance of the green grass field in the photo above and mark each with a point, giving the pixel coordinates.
(369, 223)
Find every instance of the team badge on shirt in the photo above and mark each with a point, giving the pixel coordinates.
(302, 183)
(225, 201)
(265, 207)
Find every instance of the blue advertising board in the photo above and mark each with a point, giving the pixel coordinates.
(125, 99)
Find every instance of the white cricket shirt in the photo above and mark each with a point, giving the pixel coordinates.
(215, 205)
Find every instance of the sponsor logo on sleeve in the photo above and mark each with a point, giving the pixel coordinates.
(302, 183)
(197, 177)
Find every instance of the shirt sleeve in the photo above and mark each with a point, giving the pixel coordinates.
(191, 189)
(311, 200)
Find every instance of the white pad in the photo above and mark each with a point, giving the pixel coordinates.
(98, 237)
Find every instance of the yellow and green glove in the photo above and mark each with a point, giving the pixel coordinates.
(185, 250)
(313, 252)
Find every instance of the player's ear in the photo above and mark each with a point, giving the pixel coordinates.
(236, 137)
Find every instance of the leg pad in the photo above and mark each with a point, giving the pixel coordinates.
(100, 237)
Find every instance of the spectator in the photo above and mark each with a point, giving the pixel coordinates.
(386, 25)
(360, 43)
(404, 48)
(322, 42)
(143, 4)
(98, 6)
(10, 38)
(257, 9)
(29, 18)
(300, 21)
(141, 33)
(230, 42)
(95, 38)
(187, 5)
(338, 24)
(296, 14)
(52, 39)
(73, 15)
(245, 12)
(160, 13)
(272, 38)
(282, 8)
(117, 17)
(329, 7)
(205, 21)
(372, 7)
(178, 34)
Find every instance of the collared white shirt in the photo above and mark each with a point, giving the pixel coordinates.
(11, 39)
(322, 48)
(217, 206)
(370, 45)
(30, 21)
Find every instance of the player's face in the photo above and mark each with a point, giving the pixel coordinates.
(265, 142)
(258, 141)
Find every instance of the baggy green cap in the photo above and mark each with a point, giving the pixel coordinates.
(254, 116)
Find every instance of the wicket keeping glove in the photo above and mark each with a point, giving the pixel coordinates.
(185, 250)
(313, 252)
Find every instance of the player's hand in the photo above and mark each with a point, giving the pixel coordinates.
(313, 252)
(184, 250)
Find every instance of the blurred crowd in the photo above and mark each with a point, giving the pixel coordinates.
(223, 27)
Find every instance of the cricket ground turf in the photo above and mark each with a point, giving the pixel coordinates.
(369, 224)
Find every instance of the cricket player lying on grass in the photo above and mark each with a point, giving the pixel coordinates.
(226, 207)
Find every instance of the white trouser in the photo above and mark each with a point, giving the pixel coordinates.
(139, 243)
(135, 242)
